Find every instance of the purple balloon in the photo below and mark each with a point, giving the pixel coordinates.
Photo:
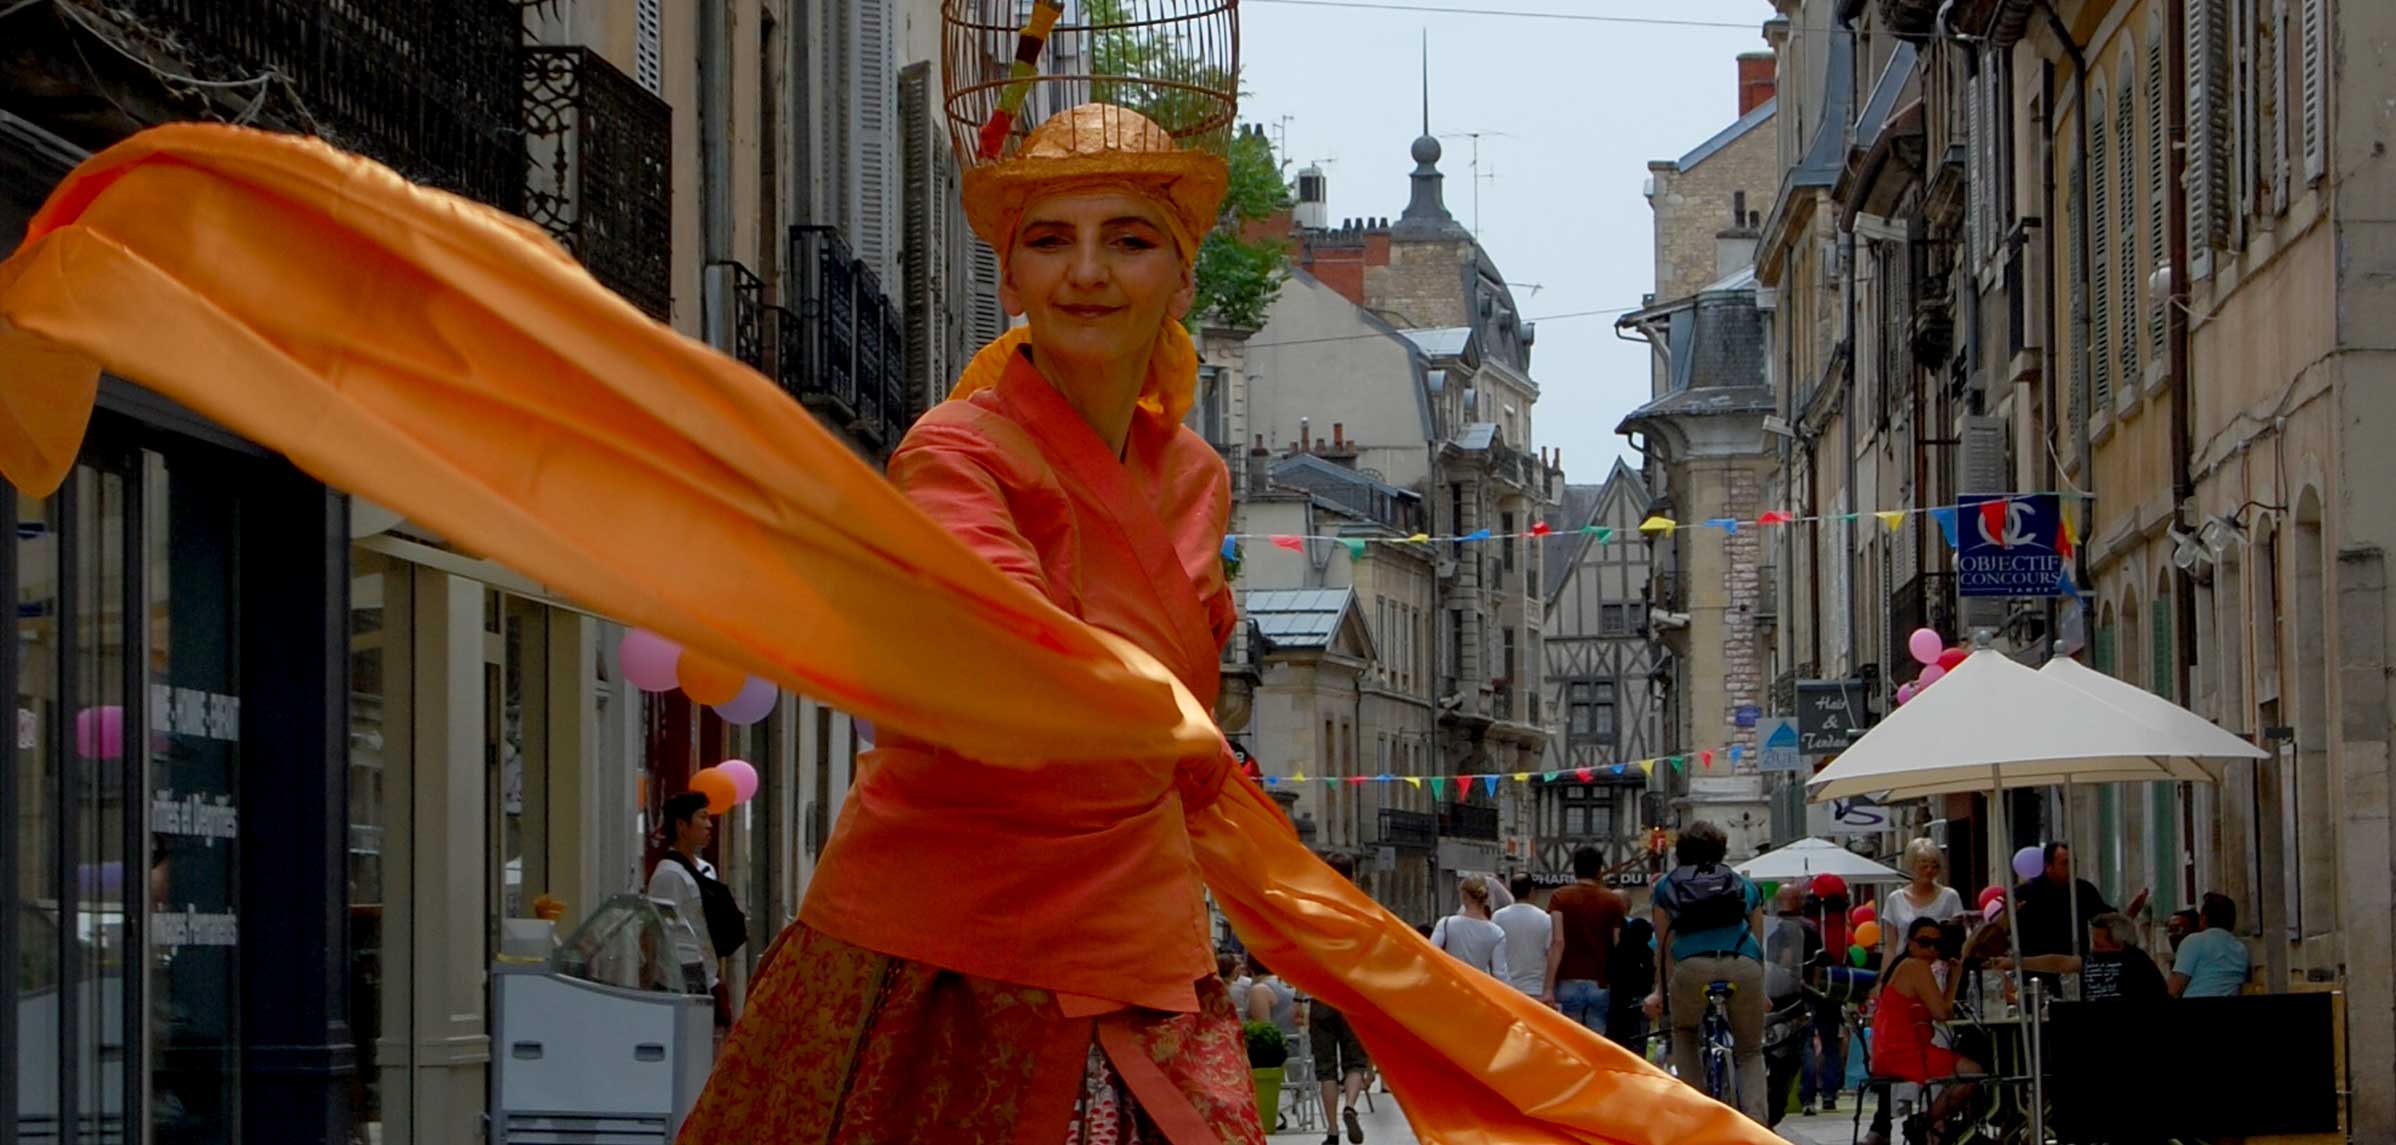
(1906, 692)
(649, 660)
(755, 702)
(100, 732)
(2029, 861)
(864, 731)
(743, 776)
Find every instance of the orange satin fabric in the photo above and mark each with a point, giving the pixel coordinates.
(454, 365)
(1097, 894)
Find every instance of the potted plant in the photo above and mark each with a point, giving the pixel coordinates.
(1267, 1050)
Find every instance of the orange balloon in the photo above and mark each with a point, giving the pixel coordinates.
(718, 789)
(707, 680)
(1866, 936)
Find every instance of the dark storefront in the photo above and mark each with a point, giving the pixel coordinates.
(171, 792)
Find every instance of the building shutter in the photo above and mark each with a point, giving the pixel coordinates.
(2283, 117)
(2127, 193)
(1975, 171)
(919, 250)
(2208, 132)
(2074, 318)
(1981, 468)
(2165, 669)
(648, 46)
(2316, 89)
(876, 138)
(2101, 288)
(2157, 194)
(989, 316)
(2248, 134)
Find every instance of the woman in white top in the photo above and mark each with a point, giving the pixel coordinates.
(688, 827)
(1469, 935)
(1924, 897)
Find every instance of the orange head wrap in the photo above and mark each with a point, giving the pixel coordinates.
(1099, 146)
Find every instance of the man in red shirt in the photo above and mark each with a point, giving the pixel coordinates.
(1587, 920)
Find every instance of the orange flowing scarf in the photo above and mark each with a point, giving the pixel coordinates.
(453, 364)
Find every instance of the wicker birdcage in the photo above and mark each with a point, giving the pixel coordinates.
(1010, 64)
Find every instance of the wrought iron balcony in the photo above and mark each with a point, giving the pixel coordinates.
(844, 351)
(1418, 830)
(736, 314)
(426, 86)
(1468, 821)
(601, 149)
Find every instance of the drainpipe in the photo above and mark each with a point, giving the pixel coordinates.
(2175, 325)
(1847, 405)
(2049, 379)
(2080, 318)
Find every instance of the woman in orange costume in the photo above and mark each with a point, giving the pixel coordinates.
(1058, 984)
(456, 366)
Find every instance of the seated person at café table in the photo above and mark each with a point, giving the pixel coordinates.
(1907, 1043)
(2211, 963)
(2115, 969)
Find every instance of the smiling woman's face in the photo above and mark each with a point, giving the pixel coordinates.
(1096, 275)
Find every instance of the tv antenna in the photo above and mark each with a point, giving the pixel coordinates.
(1477, 175)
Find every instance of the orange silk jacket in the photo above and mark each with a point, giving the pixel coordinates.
(1078, 881)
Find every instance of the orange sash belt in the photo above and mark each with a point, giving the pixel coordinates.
(453, 364)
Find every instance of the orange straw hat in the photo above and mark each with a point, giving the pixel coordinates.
(1097, 146)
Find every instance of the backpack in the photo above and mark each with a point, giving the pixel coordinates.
(1706, 898)
(727, 926)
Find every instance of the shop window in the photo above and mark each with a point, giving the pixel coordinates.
(381, 735)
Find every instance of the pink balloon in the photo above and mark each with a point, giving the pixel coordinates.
(100, 732)
(1930, 675)
(1906, 692)
(1993, 911)
(649, 660)
(755, 702)
(743, 776)
(1925, 646)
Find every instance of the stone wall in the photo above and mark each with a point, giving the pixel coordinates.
(1423, 285)
(1694, 209)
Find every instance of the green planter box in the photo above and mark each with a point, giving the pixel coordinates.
(1268, 1095)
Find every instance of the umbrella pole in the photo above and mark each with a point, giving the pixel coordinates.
(1998, 836)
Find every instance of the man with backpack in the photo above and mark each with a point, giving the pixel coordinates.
(1709, 928)
(689, 883)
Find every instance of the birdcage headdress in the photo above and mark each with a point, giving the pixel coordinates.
(1043, 95)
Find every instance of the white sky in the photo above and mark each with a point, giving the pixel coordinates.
(1584, 107)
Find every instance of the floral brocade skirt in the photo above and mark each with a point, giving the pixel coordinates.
(839, 1044)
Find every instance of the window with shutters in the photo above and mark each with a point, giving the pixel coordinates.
(2128, 191)
(2075, 316)
(2279, 123)
(1975, 131)
(2100, 249)
(2315, 97)
(2208, 127)
(875, 130)
(2158, 170)
(648, 46)
(2159, 678)
(2247, 135)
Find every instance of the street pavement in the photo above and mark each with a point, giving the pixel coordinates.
(1383, 1125)
(1823, 1129)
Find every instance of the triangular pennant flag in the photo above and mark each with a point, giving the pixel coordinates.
(1522, 777)
(1414, 781)
(1419, 539)
(1945, 516)
(1475, 535)
(1286, 541)
(2064, 528)
(1992, 520)
(1330, 781)
(1706, 760)
(1272, 781)
(1231, 548)
(1728, 525)
(1355, 781)
(1298, 778)
(1540, 529)
(1551, 776)
(1581, 773)
(2064, 585)
(1893, 518)
(1605, 533)
(1849, 516)
(1621, 769)
(1384, 777)
(1439, 787)
(1775, 517)
(1678, 764)
(1490, 782)
(1355, 549)
(1654, 525)
(1647, 767)
(1735, 752)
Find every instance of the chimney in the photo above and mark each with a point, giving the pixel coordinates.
(1260, 467)
(1305, 436)
(1342, 450)
(1757, 82)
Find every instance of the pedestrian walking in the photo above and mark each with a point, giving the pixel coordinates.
(1587, 920)
(1469, 935)
(1927, 896)
(1341, 1066)
(1529, 933)
(677, 879)
(1825, 1072)
(1709, 928)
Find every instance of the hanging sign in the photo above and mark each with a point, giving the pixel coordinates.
(1827, 711)
(2011, 545)
(1779, 737)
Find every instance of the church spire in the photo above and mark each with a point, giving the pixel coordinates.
(1426, 209)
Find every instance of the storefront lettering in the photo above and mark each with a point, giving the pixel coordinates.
(194, 713)
(195, 816)
(193, 927)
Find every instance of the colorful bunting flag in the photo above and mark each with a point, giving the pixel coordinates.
(1540, 529)
(1272, 781)
(1735, 752)
(1551, 776)
(1729, 525)
(1490, 782)
(1414, 781)
(1945, 516)
(1647, 767)
(1775, 517)
(1655, 525)
(1419, 539)
(1231, 548)
(1475, 535)
(1678, 765)
(1439, 787)
(1706, 759)
(1582, 774)
(1522, 777)
(1355, 548)
(2065, 527)
(1355, 781)
(1893, 518)
(1286, 541)
(1298, 778)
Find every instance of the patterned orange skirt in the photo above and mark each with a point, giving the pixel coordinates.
(843, 1045)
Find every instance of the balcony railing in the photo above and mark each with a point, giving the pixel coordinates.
(601, 181)
(743, 314)
(426, 86)
(847, 358)
(1418, 830)
(1468, 821)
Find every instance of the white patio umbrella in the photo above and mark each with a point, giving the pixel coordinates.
(1806, 858)
(1993, 725)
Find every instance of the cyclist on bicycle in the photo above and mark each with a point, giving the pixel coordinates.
(1709, 928)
